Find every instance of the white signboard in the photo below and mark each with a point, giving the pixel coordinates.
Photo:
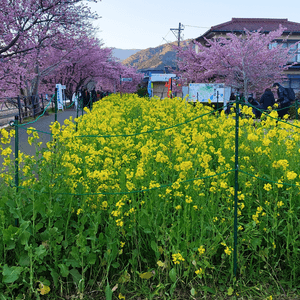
(185, 91)
(161, 77)
(60, 103)
(206, 92)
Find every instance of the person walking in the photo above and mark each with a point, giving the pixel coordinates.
(282, 99)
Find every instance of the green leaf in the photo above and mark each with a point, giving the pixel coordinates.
(207, 289)
(172, 289)
(91, 259)
(65, 243)
(230, 291)
(75, 253)
(11, 274)
(24, 260)
(24, 237)
(10, 233)
(55, 277)
(108, 292)
(115, 265)
(72, 262)
(40, 251)
(154, 246)
(38, 227)
(255, 242)
(193, 292)
(76, 275)
(172, 274)
(64, 270)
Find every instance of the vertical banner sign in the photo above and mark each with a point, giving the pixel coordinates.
(149, 86)
(75, 100)
(60, 104)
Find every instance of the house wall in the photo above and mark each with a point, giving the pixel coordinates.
(160, 90)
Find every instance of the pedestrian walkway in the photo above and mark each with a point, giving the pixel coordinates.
(42, 124)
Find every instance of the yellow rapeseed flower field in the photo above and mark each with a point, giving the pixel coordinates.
(140, 181)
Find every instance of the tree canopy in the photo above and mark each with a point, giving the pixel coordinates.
(249, 62)
(53, 41)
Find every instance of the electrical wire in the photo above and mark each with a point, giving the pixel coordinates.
(164, 38)
(196, 26)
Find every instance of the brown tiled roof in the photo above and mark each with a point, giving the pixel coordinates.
(266, 25)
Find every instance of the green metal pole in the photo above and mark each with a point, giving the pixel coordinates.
(16, 151)
(217, 103)
(55, 102)
(236, 186)
(296, 103)
(16, 124)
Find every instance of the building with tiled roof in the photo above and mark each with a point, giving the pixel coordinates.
(290, 36)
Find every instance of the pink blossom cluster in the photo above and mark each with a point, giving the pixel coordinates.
(246, 62)
(44, 42)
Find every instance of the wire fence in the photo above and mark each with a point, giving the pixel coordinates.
(26, 107)
(23, 106)
(236, 105)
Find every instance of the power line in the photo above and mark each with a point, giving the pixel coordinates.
(164, 38)
(196, 26)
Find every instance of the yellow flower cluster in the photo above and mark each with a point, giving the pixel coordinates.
(177, 258)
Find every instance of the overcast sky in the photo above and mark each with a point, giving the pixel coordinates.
(139, 24)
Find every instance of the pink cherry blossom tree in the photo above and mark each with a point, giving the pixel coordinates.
(90, 61)
(27, 27)
(52, 41)
(245, 62)
(22, 20)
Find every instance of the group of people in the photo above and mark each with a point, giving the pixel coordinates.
(92, 96)
(268, 100)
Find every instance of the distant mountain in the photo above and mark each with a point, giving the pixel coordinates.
(153, 58)
(122, 54)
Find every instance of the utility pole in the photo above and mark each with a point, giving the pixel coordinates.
(179, 29)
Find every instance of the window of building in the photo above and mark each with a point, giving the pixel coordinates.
(294, 48)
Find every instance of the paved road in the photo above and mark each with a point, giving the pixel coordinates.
(41, 124)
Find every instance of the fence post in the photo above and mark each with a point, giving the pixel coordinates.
(77, 108)
(217, 104)
(236, 186)
(33, 109)
(296, 105)
(82, 103)
(43, 106)
(20, 109)
(16, 123)
(55, 103)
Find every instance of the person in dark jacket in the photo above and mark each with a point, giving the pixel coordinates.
(282, 99)
(256, 105)
(267, 99)
(94, 95)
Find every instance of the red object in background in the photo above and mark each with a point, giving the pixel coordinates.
(169, 85)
